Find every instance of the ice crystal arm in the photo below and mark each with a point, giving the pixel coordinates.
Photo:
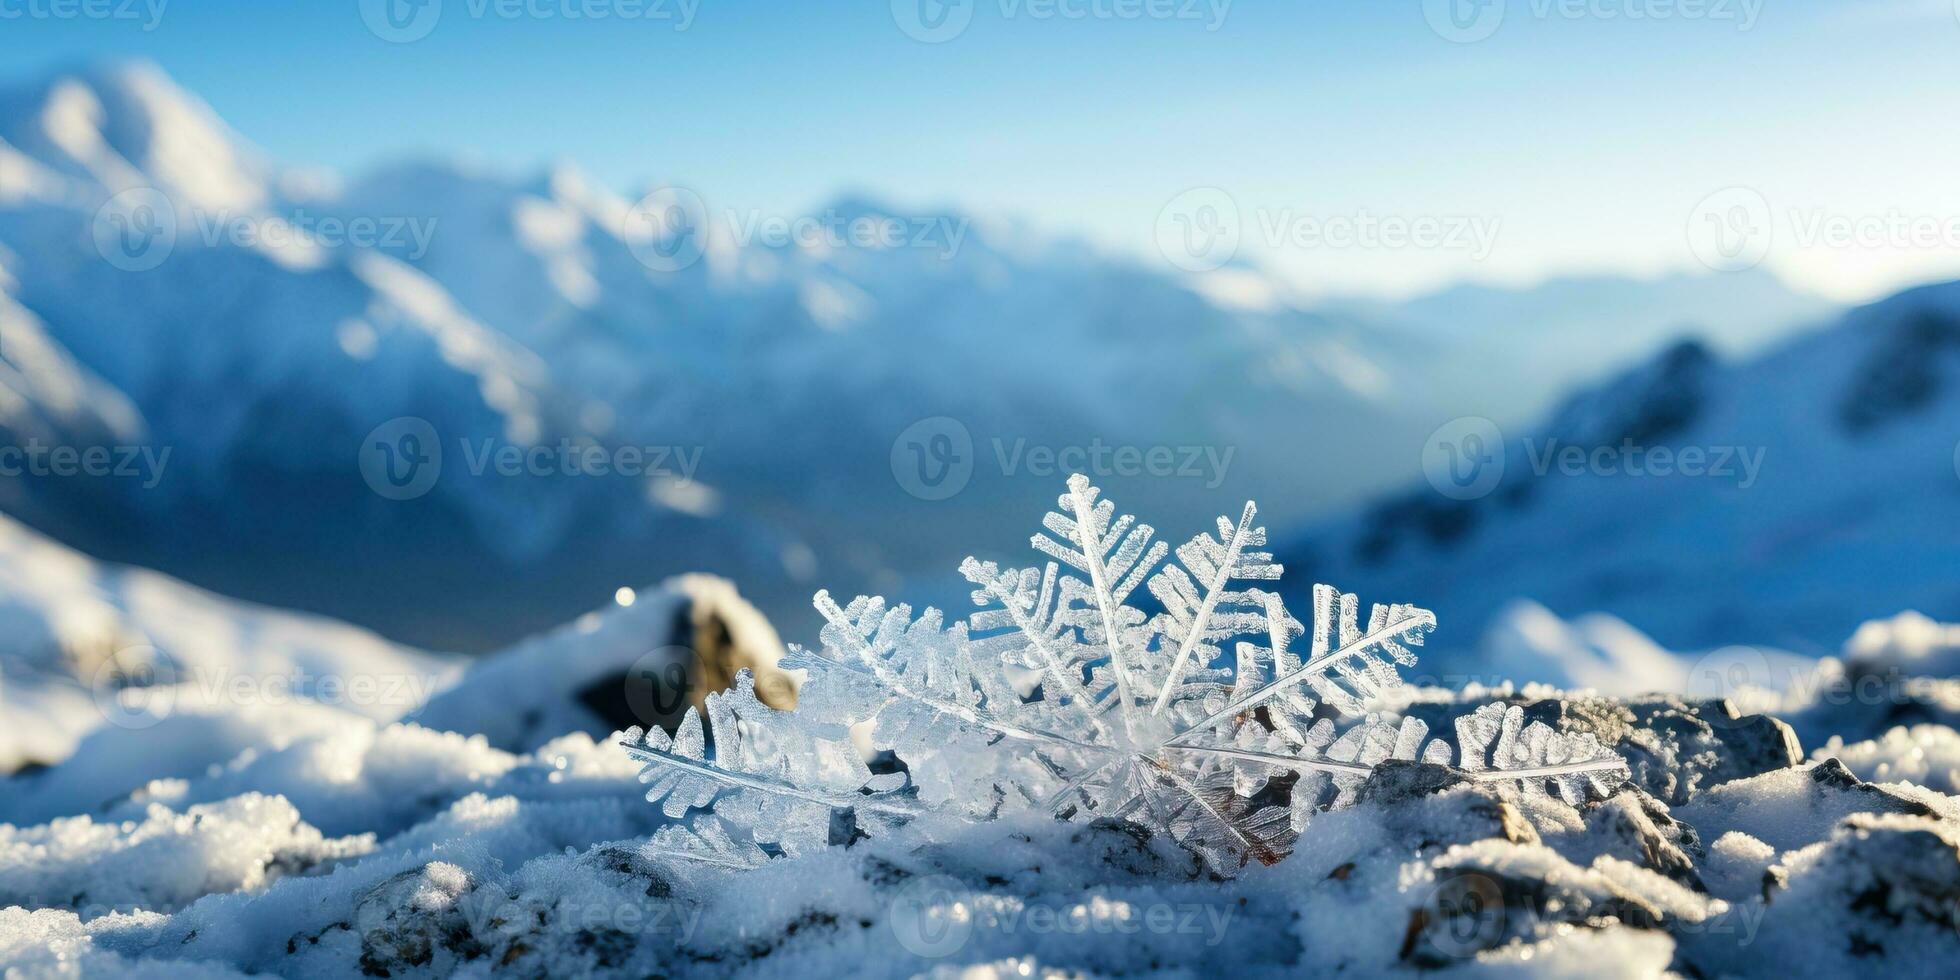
(1497, 746)
(1346, 665)
(709, 842)
(1208, 814)
(763, 771)
(930, 675)
(1117, 555)
(1199, 606)
(942, 707)
(1018, 622)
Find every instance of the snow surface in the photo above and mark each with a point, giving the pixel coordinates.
(336, 844)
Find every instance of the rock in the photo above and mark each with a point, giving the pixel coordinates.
(1674, 747)
(1494, 895)
(1637, 828)
(1431, 807)
(1677, 749)
(1794, 807)
(1396, 780)
(644, 664)
(1878, 898)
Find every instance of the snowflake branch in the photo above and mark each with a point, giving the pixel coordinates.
(1613, 764)
(765, 784)
(1306, 671)
(1251, 845)
(1092, 553)
(1288, 761)
(1053, 665)
(897, 685)
(1054, 801)
(1213, 589)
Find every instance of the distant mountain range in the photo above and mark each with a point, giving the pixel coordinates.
(164, 286)
(1779, 499)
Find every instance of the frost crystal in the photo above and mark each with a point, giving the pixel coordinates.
(1061, 695)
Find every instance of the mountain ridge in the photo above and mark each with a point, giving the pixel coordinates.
(531, 318)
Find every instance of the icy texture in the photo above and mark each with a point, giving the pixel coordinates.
(548, 865)
(163, 860)
(1134, 718)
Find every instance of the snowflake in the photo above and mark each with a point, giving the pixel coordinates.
(1061, 695)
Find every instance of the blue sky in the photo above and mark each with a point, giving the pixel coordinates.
(1586, 137)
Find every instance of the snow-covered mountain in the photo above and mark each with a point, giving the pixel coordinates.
(259, 361)
(1528, 346)
(1824, 493)
(517, 313)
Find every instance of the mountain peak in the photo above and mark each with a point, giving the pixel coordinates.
(128, 124)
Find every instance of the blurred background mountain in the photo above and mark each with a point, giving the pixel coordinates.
(781, 378)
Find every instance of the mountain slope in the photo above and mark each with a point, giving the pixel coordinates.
(1830, 496)
(1525, 345)
(811, 384)
(260, 362)
(88, 646)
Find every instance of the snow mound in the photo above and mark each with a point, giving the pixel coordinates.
(164, 860)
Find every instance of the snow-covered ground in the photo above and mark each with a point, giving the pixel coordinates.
(498, 830)
(394, 848)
